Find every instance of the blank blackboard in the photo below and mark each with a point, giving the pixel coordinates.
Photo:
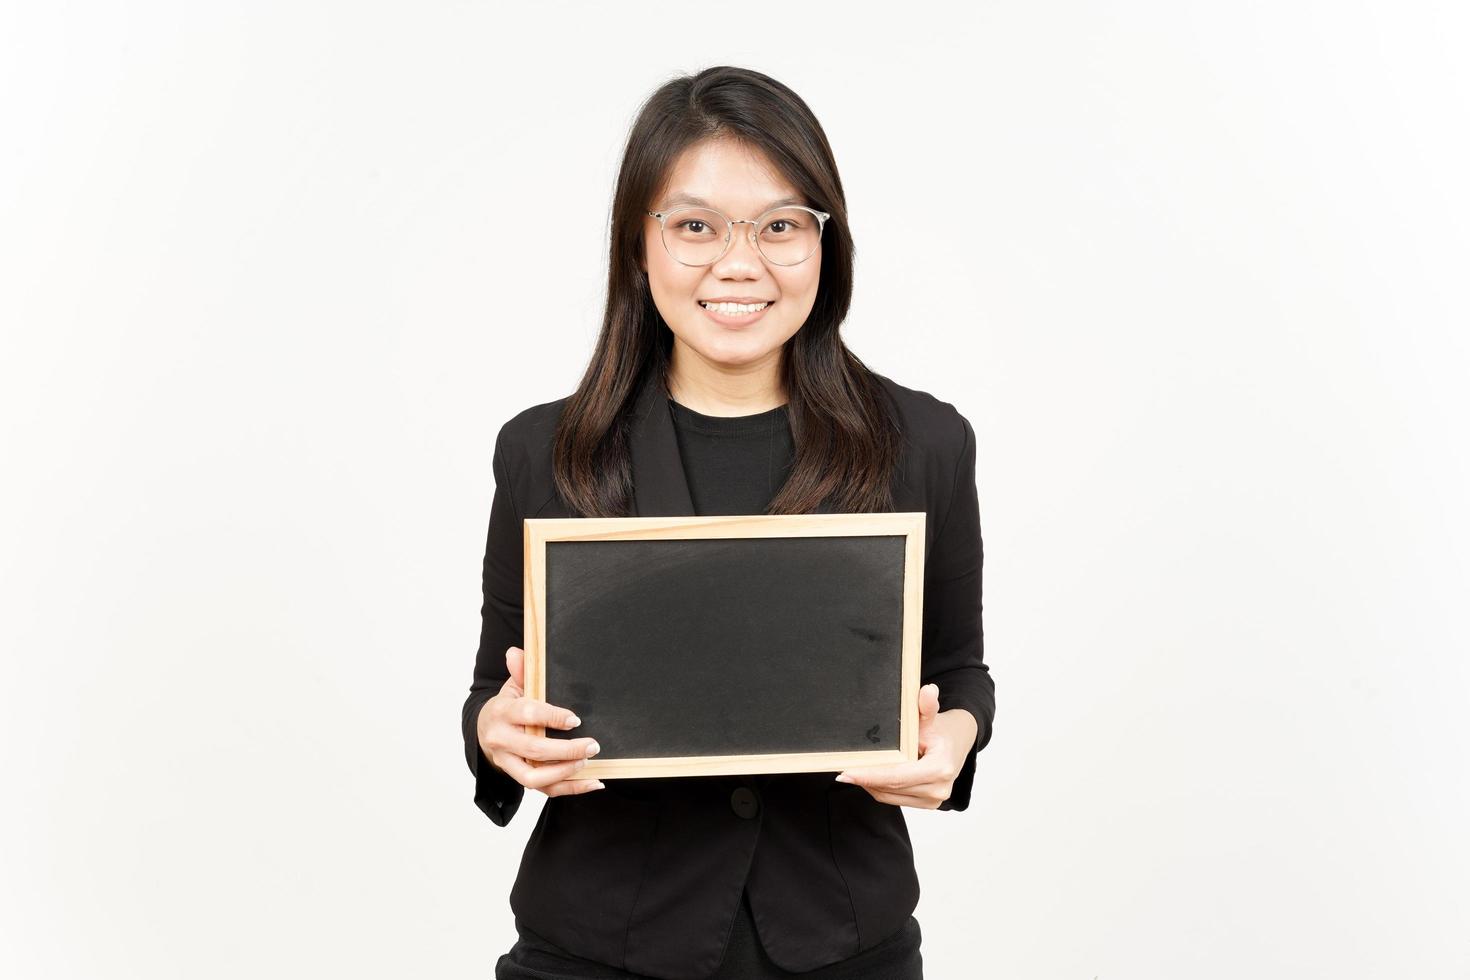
(732, 644)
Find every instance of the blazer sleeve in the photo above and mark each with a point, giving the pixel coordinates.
(496, 793)
(954, 642)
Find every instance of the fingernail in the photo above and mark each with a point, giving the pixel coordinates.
(574, 721)
(579, 765)
(844, 778)
(593, 749)
(599, 785)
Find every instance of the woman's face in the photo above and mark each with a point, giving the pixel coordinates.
(739, 181)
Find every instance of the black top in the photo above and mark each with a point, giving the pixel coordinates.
(735, 465)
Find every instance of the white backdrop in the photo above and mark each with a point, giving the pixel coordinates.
(273, 274)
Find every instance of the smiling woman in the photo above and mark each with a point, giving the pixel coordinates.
(720, 384)
(734, 309)
(740, 146)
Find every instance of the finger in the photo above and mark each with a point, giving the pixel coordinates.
(534, 711)
(515, 665)
(899, 774)
(928, 702)
(511, 764)
(574, 787)
(544, 775)
(887, 777)
(543, 749)
(532, 775)
(923, 795)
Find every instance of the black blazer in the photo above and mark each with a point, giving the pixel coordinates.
(647, 874)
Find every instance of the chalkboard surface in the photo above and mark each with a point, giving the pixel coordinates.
(760, 650)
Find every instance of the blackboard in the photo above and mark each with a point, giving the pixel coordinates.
(732, 644)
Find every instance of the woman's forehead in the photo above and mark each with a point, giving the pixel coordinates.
(722, 174)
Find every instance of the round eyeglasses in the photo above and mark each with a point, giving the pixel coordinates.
(698, 236)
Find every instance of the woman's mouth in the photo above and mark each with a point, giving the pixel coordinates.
(735, 314)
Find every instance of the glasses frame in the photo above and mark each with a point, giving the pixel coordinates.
(730, 224)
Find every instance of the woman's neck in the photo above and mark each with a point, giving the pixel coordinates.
(715, 389)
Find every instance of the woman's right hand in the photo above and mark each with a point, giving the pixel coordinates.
(534, 761)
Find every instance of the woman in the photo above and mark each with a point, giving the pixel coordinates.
(720, 385)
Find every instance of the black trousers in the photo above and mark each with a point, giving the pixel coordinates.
(896, 958)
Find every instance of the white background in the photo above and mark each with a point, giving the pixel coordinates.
(273, 274)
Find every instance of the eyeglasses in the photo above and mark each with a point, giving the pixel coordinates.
(699, 236)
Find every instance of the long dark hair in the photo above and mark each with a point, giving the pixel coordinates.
(843, 426)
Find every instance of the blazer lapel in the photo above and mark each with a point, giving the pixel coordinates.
(659, 486)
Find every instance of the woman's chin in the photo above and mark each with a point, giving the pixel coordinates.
(733, 355)
(732, 348)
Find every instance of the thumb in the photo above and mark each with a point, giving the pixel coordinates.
(928, 702)
(515, 663)
(928, 711)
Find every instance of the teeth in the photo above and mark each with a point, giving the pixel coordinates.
(735, 308)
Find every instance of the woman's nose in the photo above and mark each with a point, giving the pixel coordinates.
(741, 237)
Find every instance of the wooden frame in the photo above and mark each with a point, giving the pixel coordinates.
(538, 532)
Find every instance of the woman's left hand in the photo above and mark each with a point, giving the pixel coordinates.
(945, 740)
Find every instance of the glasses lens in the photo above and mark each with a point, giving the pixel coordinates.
(695, 236)
(789, 236)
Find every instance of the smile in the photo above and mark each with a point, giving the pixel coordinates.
(738, 309)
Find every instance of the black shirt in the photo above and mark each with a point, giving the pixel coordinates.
(734, 465)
